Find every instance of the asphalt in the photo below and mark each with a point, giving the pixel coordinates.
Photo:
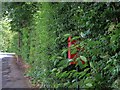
(11, 75)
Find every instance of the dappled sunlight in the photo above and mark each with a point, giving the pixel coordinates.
(6, 54)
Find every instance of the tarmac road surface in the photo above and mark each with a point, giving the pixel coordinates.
(11, 75)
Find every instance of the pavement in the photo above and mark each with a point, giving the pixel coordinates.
(11, 76)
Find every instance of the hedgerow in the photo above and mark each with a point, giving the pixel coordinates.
(43, 42)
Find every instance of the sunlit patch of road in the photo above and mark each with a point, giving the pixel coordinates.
(5, 54)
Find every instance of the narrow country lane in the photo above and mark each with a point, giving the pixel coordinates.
(11, 75)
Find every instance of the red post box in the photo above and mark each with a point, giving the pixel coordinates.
(73, 55)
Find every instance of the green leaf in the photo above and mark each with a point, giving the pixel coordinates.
(58, 74)
(80, 64)
(70, 60)
(75, 38)
(64, 74)
(82, 74)
(111, 27)
(98, 76)
(54, 69)
(66, 35)
(59, 57)
(78, 59)
(107, 67)
(74, 80)
(73, 51)
(94, 58)
(76, 74)
(113, 38)
(64, 51)
(89, 84)
(86, 69)
(63, 63)
(83, 58)
(92, 65)
(82, 35)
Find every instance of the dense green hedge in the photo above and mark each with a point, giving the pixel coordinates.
(44, 43)
(97, 26)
